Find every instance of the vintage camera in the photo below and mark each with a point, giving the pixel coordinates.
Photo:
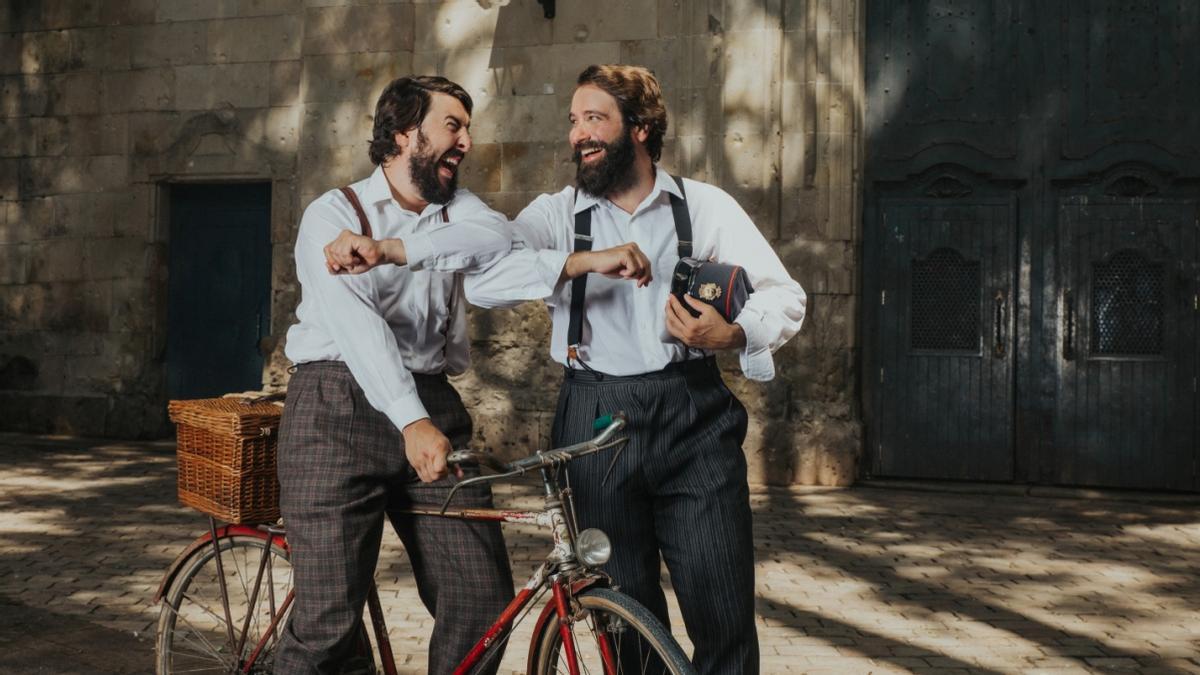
(725, 287)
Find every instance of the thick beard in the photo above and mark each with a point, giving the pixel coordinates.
(423, 168)
(611, 174)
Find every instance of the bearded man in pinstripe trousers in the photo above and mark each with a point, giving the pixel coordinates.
(677, 492)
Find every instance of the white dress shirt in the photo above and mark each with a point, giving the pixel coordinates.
(624, 328)
(393, 320)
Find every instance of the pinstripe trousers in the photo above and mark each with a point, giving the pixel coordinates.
(678, 489)
(342, 467)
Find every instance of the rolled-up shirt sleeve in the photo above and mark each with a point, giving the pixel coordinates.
(347, 307)
(532, 269)
(475, 237)
(775, 310)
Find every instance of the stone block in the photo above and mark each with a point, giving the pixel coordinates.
(104, 214)
(336, 125)
(75, 93)
(510, 119)
(452, 25)
(61, 175)
(26, 220)
(24, 95)
(11, 52)
(356, 78)
(80, 135)
(570, 60)
(236, 85)
(510, 203)
(328, 168)
(481, 172)
(827, 266)
(45, 52)
(10, 178)
(168, 44)
(285, 83)
(69, 13)
(106, 48)
(37, 413)
(14, 264)
(116, 258)
(152, 133)
(128, 12)
(285, 217)
(528, 167)
(57, 260)
(21, 17)
(268, 7)
(361, 28)
(603, 21)
(138, 90)
(272, 38)
(522, 23)
(192, 10)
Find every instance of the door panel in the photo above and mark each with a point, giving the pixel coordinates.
(946, 339)
(1125, 402)
(218, 288)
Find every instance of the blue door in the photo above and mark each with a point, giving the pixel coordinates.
(219, 286)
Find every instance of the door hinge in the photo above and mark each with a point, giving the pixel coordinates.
(1196, 302)
(883, 297)
(881, 376)
(1193, 385)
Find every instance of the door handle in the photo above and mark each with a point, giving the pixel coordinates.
(1068, 346)
(1000, 318)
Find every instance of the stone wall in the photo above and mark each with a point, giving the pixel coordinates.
(103, 103)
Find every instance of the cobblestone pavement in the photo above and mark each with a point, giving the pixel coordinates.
(849, 581)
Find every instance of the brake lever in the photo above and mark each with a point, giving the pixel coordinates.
(475, 481)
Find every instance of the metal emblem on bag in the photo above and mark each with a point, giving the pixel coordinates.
(709, 291)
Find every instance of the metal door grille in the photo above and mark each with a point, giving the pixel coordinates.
(1127, 301)
(945, 302)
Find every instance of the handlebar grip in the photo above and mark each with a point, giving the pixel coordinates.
(604, 422)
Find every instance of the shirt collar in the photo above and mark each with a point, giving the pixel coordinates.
(378, 190)
(663, 182)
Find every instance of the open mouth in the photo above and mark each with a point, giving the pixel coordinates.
(448, 167)
(591, 154)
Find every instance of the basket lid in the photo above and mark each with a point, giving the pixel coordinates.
(227, 415)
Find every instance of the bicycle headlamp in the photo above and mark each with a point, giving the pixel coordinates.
(593, 547)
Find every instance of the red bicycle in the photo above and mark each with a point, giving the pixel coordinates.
(226, 598)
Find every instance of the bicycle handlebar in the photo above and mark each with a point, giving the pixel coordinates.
(608, 426)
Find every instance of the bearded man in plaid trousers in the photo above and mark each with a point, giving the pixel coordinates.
(370, 415)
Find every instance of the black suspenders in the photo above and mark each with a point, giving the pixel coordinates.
(583, 242)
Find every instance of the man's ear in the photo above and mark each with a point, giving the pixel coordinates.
(405, 139)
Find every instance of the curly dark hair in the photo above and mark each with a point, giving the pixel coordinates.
(402, 106)
(638, 96)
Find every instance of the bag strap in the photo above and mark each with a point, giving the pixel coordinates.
(683, 220)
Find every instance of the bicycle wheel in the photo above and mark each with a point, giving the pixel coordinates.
(193, 636)
(609, 625)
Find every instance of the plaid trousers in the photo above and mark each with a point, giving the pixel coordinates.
(677, 489)
(341, 468)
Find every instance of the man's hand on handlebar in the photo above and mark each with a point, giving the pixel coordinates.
(426, 448)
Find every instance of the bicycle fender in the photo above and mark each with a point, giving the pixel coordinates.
(548, 611)
(206, 540)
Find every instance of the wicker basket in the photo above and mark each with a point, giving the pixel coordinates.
(226, 453)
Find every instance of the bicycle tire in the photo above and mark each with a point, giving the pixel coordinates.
(602, 615)
(192, 636)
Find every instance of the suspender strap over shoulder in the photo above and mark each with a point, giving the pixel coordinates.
(583, 242)
(362, 215)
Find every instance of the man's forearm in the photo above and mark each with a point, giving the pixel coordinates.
(576, 266)
(393, 251)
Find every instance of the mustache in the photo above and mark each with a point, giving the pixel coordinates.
(452, 153)
(581, 146)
